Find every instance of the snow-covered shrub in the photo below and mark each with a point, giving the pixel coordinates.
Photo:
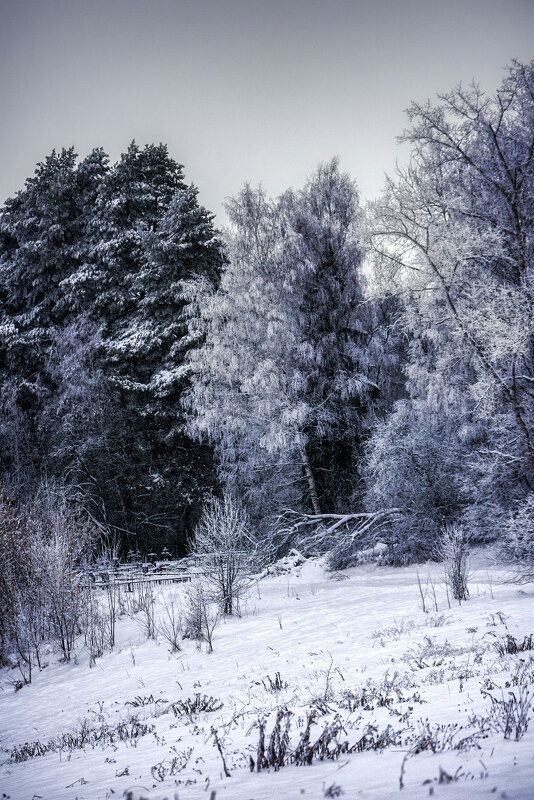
(226, 551)
(201, 615)
(42, 598)
(509, 645)
(278, 750)
(169, 624)
(171, 765)
(454, 551)
(147, 610)
(105, 735)
(518, 539)
(412, 465)
(61, 542)
(111, 601)
(199, 704)
(509, 714)
(96, 625)
(383, 693)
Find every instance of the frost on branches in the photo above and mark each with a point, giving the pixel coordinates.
(285, 379)
(453, 237)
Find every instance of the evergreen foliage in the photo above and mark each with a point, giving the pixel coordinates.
(99, 271)
(145, 363)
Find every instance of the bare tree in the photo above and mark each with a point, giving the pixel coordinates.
(226, 550)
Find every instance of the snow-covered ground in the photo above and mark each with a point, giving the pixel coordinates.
(360, 647)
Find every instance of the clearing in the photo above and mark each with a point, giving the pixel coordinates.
(431, 700)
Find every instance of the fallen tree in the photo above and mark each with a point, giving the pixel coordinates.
(316, 534)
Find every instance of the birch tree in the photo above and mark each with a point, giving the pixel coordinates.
(453, 232)
(285, 376)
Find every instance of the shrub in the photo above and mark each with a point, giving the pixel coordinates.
(147, 610)
(43, 544)
(106, 735)
(412, 465)
(196, 705)
(510, 715)
(508, 644)
(277, 751)
(170, 622)
(201, 614)
(275, 684)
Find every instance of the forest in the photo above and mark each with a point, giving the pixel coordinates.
(346, 377)
(267, 488)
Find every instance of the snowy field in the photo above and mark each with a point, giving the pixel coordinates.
(405, 697)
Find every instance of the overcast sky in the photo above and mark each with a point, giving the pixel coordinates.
(258, 90)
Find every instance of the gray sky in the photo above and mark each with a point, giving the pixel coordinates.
(259, 90)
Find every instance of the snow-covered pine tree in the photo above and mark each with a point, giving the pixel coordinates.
(338, 356)
(285, 375)
(130, 202)
(148, 243)
(99, 269)
(181, 256)
(41, 240)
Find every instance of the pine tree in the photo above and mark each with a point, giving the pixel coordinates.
(99, 272)
(41, 235)
(148, 244)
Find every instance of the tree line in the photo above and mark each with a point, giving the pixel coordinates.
(315, 355)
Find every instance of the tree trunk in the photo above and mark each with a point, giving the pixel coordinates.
(311, 480)
(524, 431)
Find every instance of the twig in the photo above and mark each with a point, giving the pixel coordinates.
(227, 773)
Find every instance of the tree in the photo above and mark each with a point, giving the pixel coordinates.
(99, 271)
(454, 233)
(224, 545)
(149, 243)
(41, 235)
(285, 375)
(412, 465)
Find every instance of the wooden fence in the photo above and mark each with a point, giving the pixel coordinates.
(128, 575)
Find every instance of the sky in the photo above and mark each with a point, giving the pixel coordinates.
(241, 90)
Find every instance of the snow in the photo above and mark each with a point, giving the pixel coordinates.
(324, 637)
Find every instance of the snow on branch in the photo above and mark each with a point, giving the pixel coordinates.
(315, 532)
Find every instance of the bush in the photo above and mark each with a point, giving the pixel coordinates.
(509, 715)
(509, 645)
(201, 614)
(170, 622)
(412, 465)
(42, 598)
